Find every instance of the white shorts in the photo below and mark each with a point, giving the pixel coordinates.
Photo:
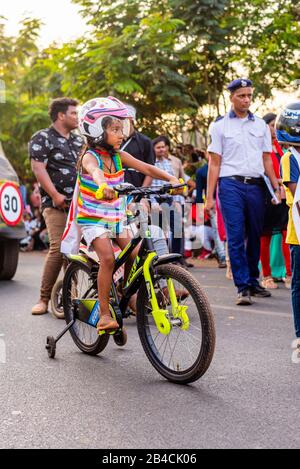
(90, 233)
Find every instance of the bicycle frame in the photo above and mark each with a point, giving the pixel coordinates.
(142, 268)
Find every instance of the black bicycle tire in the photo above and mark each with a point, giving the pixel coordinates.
(206, 352)
(53, 300)
(102, 340)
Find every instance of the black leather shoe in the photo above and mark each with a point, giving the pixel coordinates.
(261, 292)
(244, 298)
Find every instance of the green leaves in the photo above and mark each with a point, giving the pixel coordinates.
(171, 58)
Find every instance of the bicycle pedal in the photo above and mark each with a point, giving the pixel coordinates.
(109, 331)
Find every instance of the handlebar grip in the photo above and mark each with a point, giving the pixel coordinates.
(100, 191)
(177, 186)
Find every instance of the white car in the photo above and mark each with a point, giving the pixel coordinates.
(11, 221)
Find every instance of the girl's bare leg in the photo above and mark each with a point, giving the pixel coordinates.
(104, 250)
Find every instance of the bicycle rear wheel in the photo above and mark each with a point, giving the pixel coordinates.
(78, 285)
(56, 300)
(185, 353)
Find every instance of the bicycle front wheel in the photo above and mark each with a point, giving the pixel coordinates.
(183, 354)
(78, 284)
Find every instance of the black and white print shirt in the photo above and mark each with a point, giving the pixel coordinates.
(60, 156)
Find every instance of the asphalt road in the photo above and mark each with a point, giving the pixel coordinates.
(249, 398)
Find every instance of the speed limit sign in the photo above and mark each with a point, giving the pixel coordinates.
(10, 204)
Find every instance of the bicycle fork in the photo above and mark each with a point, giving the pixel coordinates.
(161, 316)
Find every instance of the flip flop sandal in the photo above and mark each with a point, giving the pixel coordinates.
(108, 327)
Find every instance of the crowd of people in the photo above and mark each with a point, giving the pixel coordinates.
(36, 232)
(236, 203)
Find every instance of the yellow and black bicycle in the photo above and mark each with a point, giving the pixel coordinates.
(174, 319)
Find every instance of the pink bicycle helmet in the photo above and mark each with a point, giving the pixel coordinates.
(95, 110)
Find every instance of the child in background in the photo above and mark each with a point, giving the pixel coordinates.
(276, 220)
(288, 135)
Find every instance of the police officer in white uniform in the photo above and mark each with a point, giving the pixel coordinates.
(239, 156)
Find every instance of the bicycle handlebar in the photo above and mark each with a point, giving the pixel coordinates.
(129, 189)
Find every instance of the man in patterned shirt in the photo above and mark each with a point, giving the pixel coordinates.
(53, 153)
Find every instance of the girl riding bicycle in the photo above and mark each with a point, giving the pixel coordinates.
(100, 213)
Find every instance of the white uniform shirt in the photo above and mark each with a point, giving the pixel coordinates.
(241, 144)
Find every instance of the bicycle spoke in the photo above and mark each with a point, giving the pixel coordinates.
(174, 348)
(81, 288)
(167, 338)
(187, 344)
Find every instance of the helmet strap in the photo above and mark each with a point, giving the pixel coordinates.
(101, 142)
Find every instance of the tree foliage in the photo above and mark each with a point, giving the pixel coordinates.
(170, 58)
(26, 91)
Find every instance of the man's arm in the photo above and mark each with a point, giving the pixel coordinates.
(269, 170)
(43, 178)
(215, 149)
(39, 153)
(214, 166)
(267, 161)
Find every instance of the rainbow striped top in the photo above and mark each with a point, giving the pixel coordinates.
(106, 213)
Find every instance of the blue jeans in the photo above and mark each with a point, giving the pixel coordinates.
(243, 209)
(295, 256)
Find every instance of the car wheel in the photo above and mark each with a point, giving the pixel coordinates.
(9, 256)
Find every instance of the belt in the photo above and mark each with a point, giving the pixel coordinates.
(249, 180)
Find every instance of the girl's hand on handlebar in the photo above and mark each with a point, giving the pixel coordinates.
(178, 190)
(109, 194)
(105, 193)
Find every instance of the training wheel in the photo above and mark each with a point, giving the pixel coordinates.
(51, 346)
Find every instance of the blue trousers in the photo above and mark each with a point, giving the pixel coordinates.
(295, 255)
(243, 209)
